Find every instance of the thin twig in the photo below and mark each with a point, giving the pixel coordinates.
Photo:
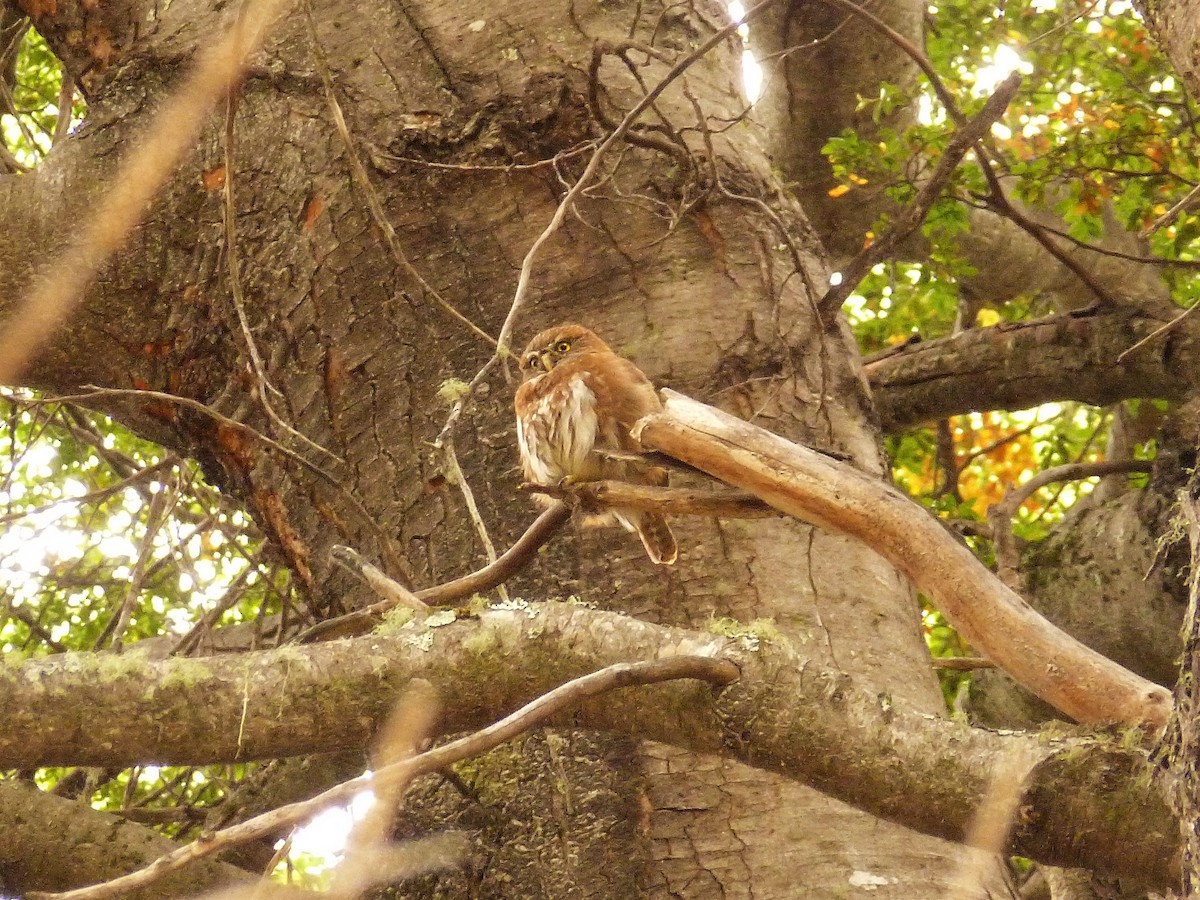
(1171, 214)
(961, 663)
(93, 393)
(506, 168)
(410, 724)
(66, 107)
(992, 823)
(967, 136)
(998, 201)
(715, 671)
(160, 508)
(236, 291)
(396, 593)
(1157, 331)
(1001, 514)
(503, 346)
(455, 474)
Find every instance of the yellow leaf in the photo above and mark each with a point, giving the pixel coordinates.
(986, 318)
(840, 191)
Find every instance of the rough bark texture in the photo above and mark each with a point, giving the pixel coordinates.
(38, 829)
(1018, 366)
(358, 349)
(1086, 801)
(435, 95)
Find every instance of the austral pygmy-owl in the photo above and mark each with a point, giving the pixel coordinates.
(574, 409)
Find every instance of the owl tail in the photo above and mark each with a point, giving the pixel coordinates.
(656, 536)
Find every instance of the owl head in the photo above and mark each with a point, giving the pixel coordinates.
(551, 346)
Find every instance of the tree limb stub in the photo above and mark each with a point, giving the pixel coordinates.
(1058, 668)
(785, 714)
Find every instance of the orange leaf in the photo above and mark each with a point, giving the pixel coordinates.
(213, 179)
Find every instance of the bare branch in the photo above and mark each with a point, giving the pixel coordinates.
(914, 214)
(505, 567)
(1089, 803)
(584, 181)
(396, 593)
(1058, 668)
(1001, 514)
(372, 197)
(668, 500)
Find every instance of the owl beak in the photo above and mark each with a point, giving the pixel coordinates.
(547, 361)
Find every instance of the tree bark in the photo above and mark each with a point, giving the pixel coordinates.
(787, 713)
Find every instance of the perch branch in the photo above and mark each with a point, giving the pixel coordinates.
(667, 500)
(801, 482)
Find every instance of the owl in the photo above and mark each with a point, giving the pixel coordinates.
(574, 410)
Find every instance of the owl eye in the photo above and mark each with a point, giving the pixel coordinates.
(562, 346)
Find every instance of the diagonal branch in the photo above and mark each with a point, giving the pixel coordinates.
(967, 136)
(1058, 668)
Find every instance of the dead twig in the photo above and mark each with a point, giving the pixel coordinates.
(454, 474)
(374, 205)
(967, 136)
(503, 345)
(396, 593)
(410, 724)
(1157, 331)
(1000, 515)
(990, 827)
(961, 663)
(508, 564)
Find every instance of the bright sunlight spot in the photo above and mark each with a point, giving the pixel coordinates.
(323, 839)
(752, 73)
(1005, 61)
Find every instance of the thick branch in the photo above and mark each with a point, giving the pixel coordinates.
(1018, 366)
(785, 714)
(51, 843)
(1003, 627)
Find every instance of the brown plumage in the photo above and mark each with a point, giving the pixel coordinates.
(575, 407)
